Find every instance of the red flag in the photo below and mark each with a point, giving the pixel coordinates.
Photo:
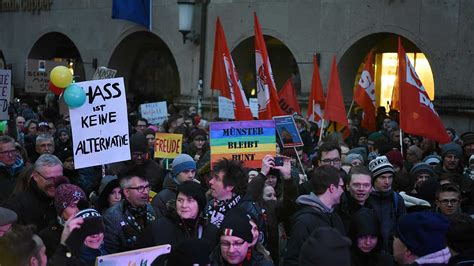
(316, 98)
(417, 113)
(225, 77)
(266, 91)
(364, 94)
(335, 109)
(288, 102)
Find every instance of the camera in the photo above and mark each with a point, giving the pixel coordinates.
(278, 161)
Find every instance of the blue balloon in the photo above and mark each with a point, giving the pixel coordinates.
(74, 96)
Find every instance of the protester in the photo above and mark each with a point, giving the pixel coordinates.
(460, 240)
(140, 125)
(420, 238)
(126, 221)
(44, 145)
(199, 145)
(110, 193)
(448, 200)
(11, 165)
(35, 204)
(22, 247)
(7, 219)
(325, 246)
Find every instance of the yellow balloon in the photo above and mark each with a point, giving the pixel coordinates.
(60, 76)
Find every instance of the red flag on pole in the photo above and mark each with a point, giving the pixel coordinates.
(288, 102)
(417, 113)
(364, 94)
(316, 98)
(335, 109)
(225, 77)
(266, 91)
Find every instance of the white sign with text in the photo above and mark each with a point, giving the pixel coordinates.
(155, 113)
(226, 108)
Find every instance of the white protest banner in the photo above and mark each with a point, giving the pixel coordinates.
(253, 103)
(100, 126)
(155, 113)
(138, 257)
(104, 73)
(226, 108)
(5, 92)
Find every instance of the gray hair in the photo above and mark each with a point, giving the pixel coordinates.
(46, 160)
(6, 139)
(44, 137)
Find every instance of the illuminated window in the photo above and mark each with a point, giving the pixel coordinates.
(386, 70)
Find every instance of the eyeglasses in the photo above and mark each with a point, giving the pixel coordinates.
(51, 178)
(9, 153)
(331, 161)
(141, 189)
(449, 202)
(227, 245)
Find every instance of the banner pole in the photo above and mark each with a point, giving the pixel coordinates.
(301, 165)
(401, 143)
(212, 104)
(350, 109)
(321, 131)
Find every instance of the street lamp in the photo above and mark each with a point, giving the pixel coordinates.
(186, 15)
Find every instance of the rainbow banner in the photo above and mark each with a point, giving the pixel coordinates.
(247, 141)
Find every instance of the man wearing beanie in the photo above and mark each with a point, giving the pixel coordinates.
(421, 172)
(141, 162)
(183, 169)
(7, 219)
(325, 247)
(420, 239)
(234, 245)
(388, 204)
(468, 144)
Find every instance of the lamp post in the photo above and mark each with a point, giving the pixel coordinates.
(186, 16)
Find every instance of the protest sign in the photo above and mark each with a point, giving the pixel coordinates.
(104, 73)
(100, 126)
(247, 141)
(37, 74)
(168, 145)
(253, 103)
(289, 134)
(5, 92)
(155, 113)
(138, 257)
(226, 108)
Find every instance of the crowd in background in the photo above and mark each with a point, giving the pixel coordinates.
(374, 198)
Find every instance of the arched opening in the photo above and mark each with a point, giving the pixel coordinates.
(283, 63)
(148, 67)
(386, 60)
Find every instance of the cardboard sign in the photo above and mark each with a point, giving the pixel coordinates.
(288, 132)
(247, 141)
(138, 257)
(104, 73)
(253, 103)
(168, 145)
(100, 126)
(37, 74)
(226, 108)
(155, 113)
(5, 92)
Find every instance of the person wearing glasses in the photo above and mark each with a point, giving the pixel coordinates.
(316, 210)
(448, 199)
(11, 164)
(126, 221)
(44, 145)
(140, 125)
(35, 205)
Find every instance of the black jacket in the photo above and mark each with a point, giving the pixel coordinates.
(161, 202)
(8, 178)
(313, 214)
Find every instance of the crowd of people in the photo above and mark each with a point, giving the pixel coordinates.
(374, 198)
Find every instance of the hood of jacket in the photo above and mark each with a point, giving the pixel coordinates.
(313, 201)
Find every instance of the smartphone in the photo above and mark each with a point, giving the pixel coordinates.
(278, 161)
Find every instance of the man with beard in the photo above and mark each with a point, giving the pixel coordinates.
(126, 221)
(35, 204)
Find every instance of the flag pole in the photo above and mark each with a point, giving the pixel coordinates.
(350, 108)
(301, 165)
(401, 142)
(150, 15)
(321, 131)
(212, 104)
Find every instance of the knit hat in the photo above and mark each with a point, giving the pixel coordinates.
(395, 158)
(422, 233)
(190, 252)
(138, 143)
(432, 160)
(421, 167)
(375, 136)
(236, 223)
(380, 165)
(194, 190)
(43, 124)
(66, 194)
(325, 247)
(467, 138)
(351, 157)
(451, 148)
(182, 163)
(359, 150)
(92, 225)
(198, 132)
(364, 222)
(7, 216)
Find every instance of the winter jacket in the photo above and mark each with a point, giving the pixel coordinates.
(51, 237)
(87, 258)
(33, 206)
(254, 258)
(348, 207)
(165, 197)
(121, 229)
(389, 206)
(313, 214)
(8, 178)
